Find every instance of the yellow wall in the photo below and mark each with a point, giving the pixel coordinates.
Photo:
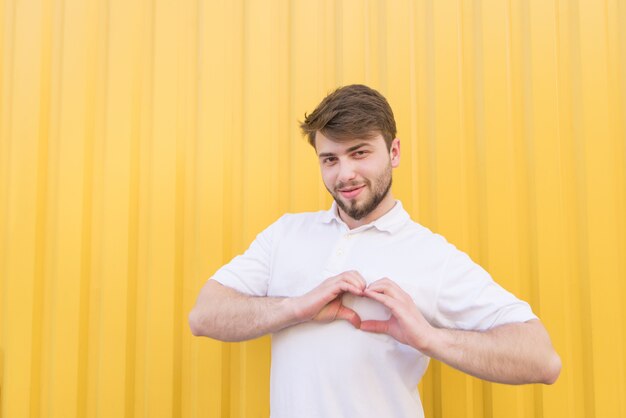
(144, 143)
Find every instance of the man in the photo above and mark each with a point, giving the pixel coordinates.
(358, 298)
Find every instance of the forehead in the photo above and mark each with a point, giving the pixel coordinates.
(323, 144)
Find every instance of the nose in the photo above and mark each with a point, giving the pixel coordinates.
(347, 172)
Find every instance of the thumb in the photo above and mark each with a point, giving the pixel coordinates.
(379, 327)
(349, 315)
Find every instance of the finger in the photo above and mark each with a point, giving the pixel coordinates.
(378, 327)
(349, 315)
(352, 280)
(349, 288)
(389, 287)
(384, 285)
(387, 300)
(359, 277)
(356, 278)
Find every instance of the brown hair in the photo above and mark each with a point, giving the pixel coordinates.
(350, 112)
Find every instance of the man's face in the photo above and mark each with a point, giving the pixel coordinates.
(357, 173)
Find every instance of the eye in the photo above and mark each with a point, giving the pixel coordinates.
(329, 160)
(360, 154)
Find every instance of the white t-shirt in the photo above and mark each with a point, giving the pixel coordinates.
(334, 370)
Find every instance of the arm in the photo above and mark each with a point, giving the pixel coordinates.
(228, 315)
(512, 353)
(225, 314)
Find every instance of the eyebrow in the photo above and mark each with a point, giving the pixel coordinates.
(349, 150)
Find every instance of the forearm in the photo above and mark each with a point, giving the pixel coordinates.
(513, 353)
(224, 314)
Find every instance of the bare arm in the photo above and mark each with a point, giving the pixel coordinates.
(228, 315)
(225, 314)
(513, 353)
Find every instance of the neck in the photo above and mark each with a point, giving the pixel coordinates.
(385, 206)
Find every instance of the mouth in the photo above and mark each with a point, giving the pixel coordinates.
(351, 192)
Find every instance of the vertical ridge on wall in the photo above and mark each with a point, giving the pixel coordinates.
(7, 17)
(143, 126)
(133, 346)
(21, 188)
(501, 195)
(188, 113)
(87, 225)
(161, 315)
(339, 42)
(133, 218)
(479, 146)
(469, 188)
(543, 174)
(522, 115)
(414, 105)
(46, 208)
(115, 228)
(615, 14)
(281, 125)
(602, 245)
(446, 176)
(66, 175)
(233, 187)
(185, 199)
(101, 17)
(210, 362)
(582, 401)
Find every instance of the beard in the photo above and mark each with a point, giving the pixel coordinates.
(379, 191)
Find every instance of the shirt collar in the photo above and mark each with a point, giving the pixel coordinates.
(391, 221)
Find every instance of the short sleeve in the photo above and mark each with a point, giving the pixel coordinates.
(470, 299)
(250, 272)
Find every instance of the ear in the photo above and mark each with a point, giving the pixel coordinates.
(394, 152)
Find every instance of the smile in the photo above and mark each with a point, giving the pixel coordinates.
(351, 193)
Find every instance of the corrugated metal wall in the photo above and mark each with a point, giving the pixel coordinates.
(144, 143)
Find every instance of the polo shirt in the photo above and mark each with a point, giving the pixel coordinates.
(334, 369)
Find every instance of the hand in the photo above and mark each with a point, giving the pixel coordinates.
(323, 304)
(407, 324)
